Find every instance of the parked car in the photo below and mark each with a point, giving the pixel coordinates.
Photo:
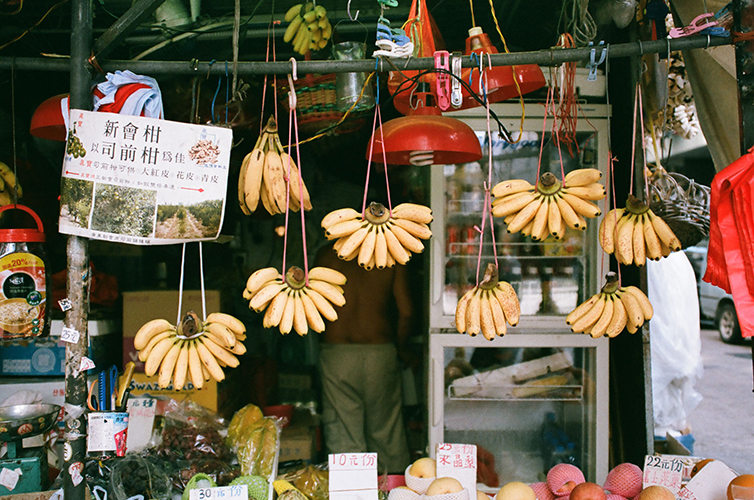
(714, 303)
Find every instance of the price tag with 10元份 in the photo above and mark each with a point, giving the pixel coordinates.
(353, 476)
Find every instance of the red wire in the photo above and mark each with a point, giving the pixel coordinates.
(568, 104)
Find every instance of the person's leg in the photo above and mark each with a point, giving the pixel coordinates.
(342, 405)
(385, 432)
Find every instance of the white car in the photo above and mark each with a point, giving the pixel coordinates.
(714, 303)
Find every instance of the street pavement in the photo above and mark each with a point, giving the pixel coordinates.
(723, 423)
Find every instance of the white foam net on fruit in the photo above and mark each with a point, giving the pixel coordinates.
(403, 494)
(461, 495)
(418, 484)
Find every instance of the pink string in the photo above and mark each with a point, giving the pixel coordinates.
(556, 133)
(377, 117)
(301, 197)
(544, 128)
(275, 78)
(264, 87)
(611, 183)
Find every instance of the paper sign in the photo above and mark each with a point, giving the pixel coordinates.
(710, 483)
(141, 413)
(237, 492)
(143, 181)
(70, 335)
(86, 364)
(9, 478)
(353, 476)
(458, 461)
(662, 471)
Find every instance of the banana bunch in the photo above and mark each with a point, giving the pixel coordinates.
(309, 28)
(194, 349)
(291, 303)
(9, 186)
(547, 208)
(611, 310)
(263, 176)
(488, 307)
(379, 239)
(635, 233)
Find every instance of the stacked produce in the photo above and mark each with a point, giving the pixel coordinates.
(611, 310)
(292, 303)
(193, 349)
(255, 439)
(488, 307)
(635, 233)
(10, 189)
(549, 207)
(378, 238)
(263, 176)
(309, 28)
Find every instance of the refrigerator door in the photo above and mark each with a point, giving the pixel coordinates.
(527, 401)
(551, 277)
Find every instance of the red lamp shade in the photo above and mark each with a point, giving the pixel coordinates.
(500, 83)
(48, 121)
(425, 137)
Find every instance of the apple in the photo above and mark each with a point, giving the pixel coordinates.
(588, 491)
(516, 490)
(423, 468)
(480, 495)
(624, 480)
(562, 478)
(443, 486)
(655, 492)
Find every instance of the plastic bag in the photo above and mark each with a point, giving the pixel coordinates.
(675, 341)
(135, 475)
(220, 471)
(192, 432)
(244, 418)
(257, 447)
(312, 481)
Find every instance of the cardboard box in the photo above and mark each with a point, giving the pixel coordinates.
(140, 307)
(206, 396)
(298, 443)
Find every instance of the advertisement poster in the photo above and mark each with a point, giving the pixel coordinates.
(143, 181)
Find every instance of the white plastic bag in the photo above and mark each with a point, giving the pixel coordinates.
(675, 341)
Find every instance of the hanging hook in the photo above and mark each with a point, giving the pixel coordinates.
(293, 75)
(348, 9)
(593, 63)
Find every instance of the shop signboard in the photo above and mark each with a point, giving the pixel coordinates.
(458, 461)
(353, 476)
(143, 181)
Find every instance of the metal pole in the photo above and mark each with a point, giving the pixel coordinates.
(542, 57)
(77, 288)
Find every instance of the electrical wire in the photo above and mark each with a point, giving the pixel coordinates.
(20, 6)
(19, 37)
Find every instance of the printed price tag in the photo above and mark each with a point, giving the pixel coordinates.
(663, 471)
(65, 305)
(458, 461)
(86, 364)
(353, 476)
(238, 492)
(70, 335)
(141, 412)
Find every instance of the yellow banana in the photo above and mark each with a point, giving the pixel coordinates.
(592, 192)
(195, 366)
(525, 215)
(566, 211)
(299, 315)
(232, 323)
(511, 186)
(327, 274)
(581, 207)
(582, 177)
(263, 297)
(168, 365)
(502, 207)
(353, 242)
(320, 11)
(273, 178)
(209, 362)
(647, 310)
(486, 321)
(286, 323)
(367, 247)
(473, 313)
(527, 229)
(275, 310)
(252, 179)
(400, 254)
(640, 248)
(461, 307)
(343, 228)
(664, 233)
(313, 317)
(416, 229)
(618, 322)
(554, 219)
(590, 317)
(582, 309)
(412, 212)
(509, 302)
(144, 353)
(181, 367)
(259, 279)
(323, 305)
(540, 220)
(380, 249)
(600, 327)
(654, 249)
(328, 291)
(222, 355)
(634, 318)
(149, 330)
(498, 316)
(241, 192)
(607, 233)
(624, 243)
(221, 334)
(297, 188)
(292, 29)
(157, 355)
(339, 215)
(407, 241)
(293, 12)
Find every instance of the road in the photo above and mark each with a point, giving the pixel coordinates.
(723, 423)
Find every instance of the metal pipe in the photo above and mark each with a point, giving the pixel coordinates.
(77, 286)
(549, 57)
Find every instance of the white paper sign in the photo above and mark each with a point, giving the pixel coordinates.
(710, 483)
(237, 492)
(141, 413)
(9, 478)
(663, 471)
(143, 181)
(458, 461)
(86, 364)
(353, 476)
(70, 335)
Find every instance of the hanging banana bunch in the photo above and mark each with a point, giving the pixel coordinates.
(309, 28)
(193, 350)
(611, 310)
(549, 207)
(487, 307)
(379, 240)
(291, 303)
(635, 233)
(263, 176)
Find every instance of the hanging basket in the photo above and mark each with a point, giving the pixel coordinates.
(683, 204)
(316, 105)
